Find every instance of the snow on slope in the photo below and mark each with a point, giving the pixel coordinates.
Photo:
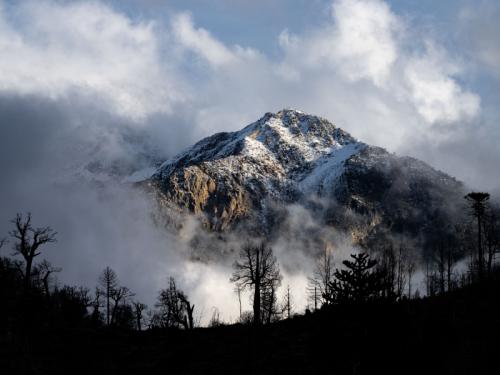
(326, 171)
(288, 148)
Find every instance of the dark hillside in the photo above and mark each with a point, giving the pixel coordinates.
(454, 333)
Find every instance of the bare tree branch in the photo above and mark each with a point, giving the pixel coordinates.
(28, 241)
(258, 270)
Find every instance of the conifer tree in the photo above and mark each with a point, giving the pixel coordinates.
(358, 283)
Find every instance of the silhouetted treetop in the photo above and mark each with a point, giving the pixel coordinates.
(28, 241)
(258, 269)
(359, 282)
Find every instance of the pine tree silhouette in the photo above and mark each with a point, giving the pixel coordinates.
(359, 282)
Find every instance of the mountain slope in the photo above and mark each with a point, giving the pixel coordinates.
(289, 157)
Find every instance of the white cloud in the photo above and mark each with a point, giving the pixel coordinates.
(200, 41)
(366, 42)
(89, 47)
(287, 40)
(363, 43)
(358, 43)
(435, 94)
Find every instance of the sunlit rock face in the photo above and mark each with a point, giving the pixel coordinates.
(289, 157)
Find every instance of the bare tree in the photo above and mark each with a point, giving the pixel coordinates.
(492, 236)
(431, 277)
(478, 204)
(288, 303)
(387, 266)
(441, 265)
(85, 296)
(138, 312)
(314, 296)
(454, 246)
(257, 269)
(175, 310)
(410, 271)
(95, 304)
(169, 305)
(400, 270)
(269, 304)
(108, 281)
(238, 291)
(28, 242)
(188, 308)
(215, 320)
(119, 295)
(321, 279)
(44, 271)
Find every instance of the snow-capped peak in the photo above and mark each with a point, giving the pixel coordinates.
(288, 157)
(285, 148)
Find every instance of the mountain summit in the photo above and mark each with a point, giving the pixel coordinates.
(290, 157)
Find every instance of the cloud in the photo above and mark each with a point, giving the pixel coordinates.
(363, 41)
(363, 54)
(367, 41)
(52, 49)
(200, 41)
(97, 224)
(436, 95)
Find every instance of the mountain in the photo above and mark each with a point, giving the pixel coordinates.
(248, 178)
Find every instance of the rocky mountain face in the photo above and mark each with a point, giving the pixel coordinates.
(249, 177)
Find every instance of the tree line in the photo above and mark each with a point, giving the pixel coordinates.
(32, 297)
